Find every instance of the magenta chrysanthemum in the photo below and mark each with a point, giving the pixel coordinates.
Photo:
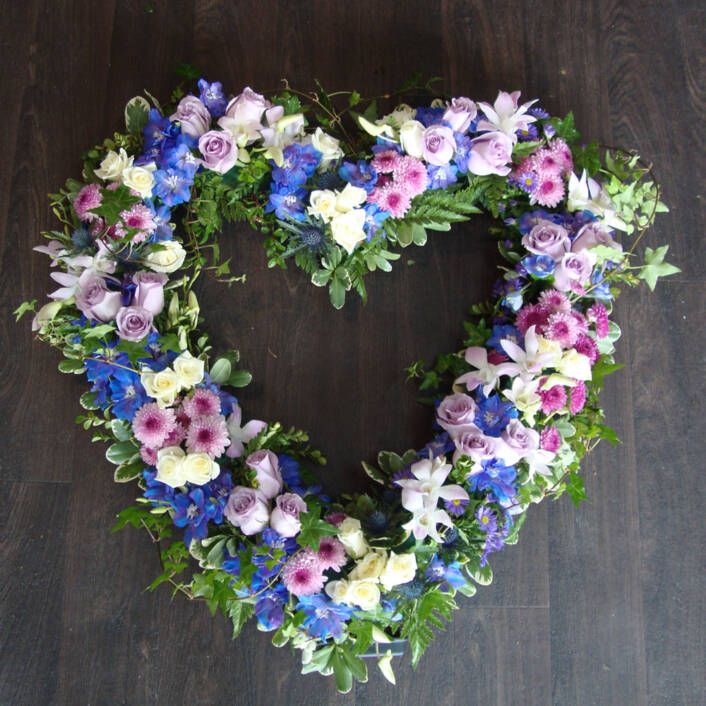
(581, 323)
(553, 399)
(177, 435)
(550, 439)
(394, 199)
(208, 435)
(562, 328)
(554, 300)
(532, 315)
(412, 175)
(599, 315)
(587, 346)
(546, 163)
(302, 575)
(203, 403)
(140, 218)
(386, 162)
(149, 456)
(578, 397)
(87, 198)
(331, 554)
(549, 191)
(152, 424)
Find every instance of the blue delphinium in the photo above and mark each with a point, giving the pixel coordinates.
(211, 95)
(287, 203)
(126, 393)
(441, 444)
(161, 215)
(172, 186)
(493, 415)
(374, 218)
(193, 510)
(299, 162)
(539, 266)
(441, 177)
(324, 618)
(495, 478)
(269, 607)
(449, 574)
(463, 152)
(509, 333)
(361, 174)
(430, 116)
(155, 491)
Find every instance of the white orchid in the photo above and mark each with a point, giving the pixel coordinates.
(523, 394)
(530, 361)
(423, 524)
(486, 374)
(505, 115)
(586, 194)
(240, 435)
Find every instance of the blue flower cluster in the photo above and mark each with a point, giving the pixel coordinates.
(287, 188)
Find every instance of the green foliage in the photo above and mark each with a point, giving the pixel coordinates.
(313, 528)
(655, 267)
(565, 128)
(423, 614)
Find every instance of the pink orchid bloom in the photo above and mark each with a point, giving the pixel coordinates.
(240, 435)
(506, 115)
(487, 374)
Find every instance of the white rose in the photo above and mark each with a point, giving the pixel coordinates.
(189, 370)
(412, 138)
(323, 204)
(400, 568)
(350, 197)
(370, 566)
(163, 385)
(364, 594)
(337, 591)
(113, 165)
(351, 536)
(574, 365)
(199, 468)
(170, 466)
(399, 116)
(329, 147)
(140, 179)
(169, 258)
(347, 229)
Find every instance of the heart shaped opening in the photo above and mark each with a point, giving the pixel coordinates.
(340, 374)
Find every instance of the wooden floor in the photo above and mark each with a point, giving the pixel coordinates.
(600, 605)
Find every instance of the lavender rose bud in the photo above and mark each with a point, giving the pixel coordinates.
(247, 508)
(134, 323)
(285, 516)
(193, 116)
(94, 299)
(149, 293)
(573, 270)
(593, 234)
(438, 145)
(474, 444)
(490, 154)
(460, 113)
(456, 413)
(547, 238)
(219, 151)
(516, 442)
(248, 107)
(266, 466)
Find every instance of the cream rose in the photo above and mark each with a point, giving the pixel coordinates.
(370, 566)
(170, 466)
(199, 468)
(163, 385)
(169, 258)
(399, 568)
(352, 538)
(113, 165)
(189, 370)
(412, 138)
(364, 594)
(350, 198)
(337, 591)
(329, 147)
(323, 204)
(140, 179)
(347, 229)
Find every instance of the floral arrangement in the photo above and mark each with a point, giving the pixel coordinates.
(336, 189)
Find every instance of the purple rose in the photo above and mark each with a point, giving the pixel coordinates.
(573, 270)
(460, 113)
(94, 299)
(438, 145)
(593, 234)
(247, 508)
(248, 107)
(219, 150)
(474, 444)
(134, 323)
(149, 293)
(456, 413)
(285, 516)
(516, 442)
(193, 116)
(490, 154)
(547, 238)
(266, 466)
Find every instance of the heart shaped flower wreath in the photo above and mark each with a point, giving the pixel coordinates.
(334, 189)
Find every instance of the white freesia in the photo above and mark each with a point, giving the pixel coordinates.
(364, 594)
(169, 258)
(189, 370)
(370, 566)
(586, 194)
(529, 361)
(329, 147)
(199, 468)
(163, 385)
(523, 394)
(113, 165)
(140, 179)
(399, 569)
(350, 198)
(170, 466)
(347, 229)
(351, 536)
(574, 365)
(322, 203)
(412, 138)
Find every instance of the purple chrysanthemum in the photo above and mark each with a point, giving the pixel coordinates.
(87, 198)
(553, 399)
(550, 439)
(303, 575)
(598, 314)
(532, 315)
(386, 162)
(554, 300)
(550, 190)
(563, 329)
(412, 174)
(208, 435)
(587, 346)
(331, 554)
(578, 397)
(152, 424)
(203, 403)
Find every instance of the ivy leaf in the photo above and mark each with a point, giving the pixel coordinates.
(603, 368)
(114, 202)
(575, 489)
(313, 528)
(239, 612)
(23, 308)
(565, 128)
(655, 267)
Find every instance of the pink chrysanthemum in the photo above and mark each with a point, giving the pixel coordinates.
(580, 320)
(412, 175)
(152, 424)
(546, 163)
(208, 435)
(562, 153)
(386, 162)
(526, 165)
(139, 217)
(335, 518)
(149, 456)
(553, 399)
(394, 199)
(587, 346)
(331, 554)
(578, 397)
(562, 328)
(303, 575)
(550, 190)
(89, 197)
(177, 436)
(550, 439)
(599, 315)
(203, 403)
(532, 315)
(554, 300)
